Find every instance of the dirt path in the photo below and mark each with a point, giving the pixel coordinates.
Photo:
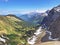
(49, 43)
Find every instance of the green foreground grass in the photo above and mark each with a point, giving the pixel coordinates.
(15, 29)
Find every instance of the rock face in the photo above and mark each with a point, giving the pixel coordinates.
(55, 28)
(52, 16)
(52, 22)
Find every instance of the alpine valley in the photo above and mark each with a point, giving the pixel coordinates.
(31, 29)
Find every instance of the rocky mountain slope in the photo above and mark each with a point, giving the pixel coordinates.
(53, 14)
(52, 23)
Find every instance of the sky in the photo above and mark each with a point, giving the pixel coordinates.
(26, 6)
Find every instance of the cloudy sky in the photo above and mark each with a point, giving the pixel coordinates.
(26, 6)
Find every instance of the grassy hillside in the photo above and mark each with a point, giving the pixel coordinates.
(15, 29)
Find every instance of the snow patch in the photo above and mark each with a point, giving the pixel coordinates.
(50, 38)
(32, 39)
(3, 40)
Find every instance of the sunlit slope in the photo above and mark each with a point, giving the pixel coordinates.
(15, 29)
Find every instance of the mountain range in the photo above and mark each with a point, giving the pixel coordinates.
(33, 17)
(15, 30)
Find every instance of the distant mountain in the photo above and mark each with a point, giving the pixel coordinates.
(33, 17)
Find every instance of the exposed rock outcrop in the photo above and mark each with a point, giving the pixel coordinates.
(52, 23)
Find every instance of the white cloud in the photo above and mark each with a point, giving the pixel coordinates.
(40, 11)
(20, 12)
